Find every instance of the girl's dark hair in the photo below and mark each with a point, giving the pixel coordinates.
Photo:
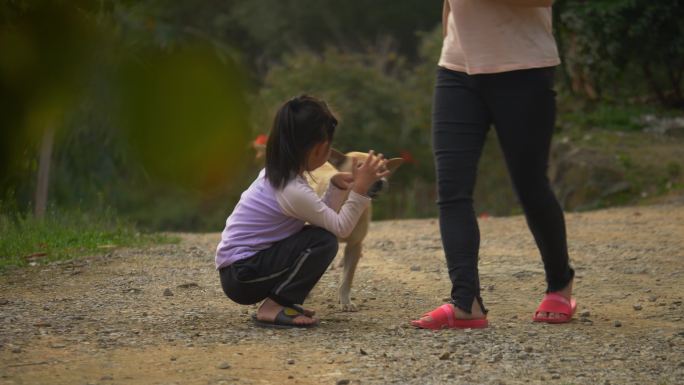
(299, 125)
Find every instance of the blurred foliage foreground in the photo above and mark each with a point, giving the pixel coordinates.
(94, 118)
(146, 110)
(108, 119)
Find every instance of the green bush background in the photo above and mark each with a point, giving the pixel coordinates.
(373, 61)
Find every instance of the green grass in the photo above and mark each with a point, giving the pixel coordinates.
(66, 235)
(607, 116)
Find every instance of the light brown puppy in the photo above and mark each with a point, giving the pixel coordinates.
(319, 180)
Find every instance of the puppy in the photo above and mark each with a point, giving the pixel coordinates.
(319, 180)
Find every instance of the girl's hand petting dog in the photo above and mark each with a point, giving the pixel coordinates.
(371, 170)
(342, 180)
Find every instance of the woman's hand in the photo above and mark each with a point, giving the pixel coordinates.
(368, 172)
(342, 180)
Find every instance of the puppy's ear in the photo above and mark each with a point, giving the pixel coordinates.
(394, 164)
(337, 158)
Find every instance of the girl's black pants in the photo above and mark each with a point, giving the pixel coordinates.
(286, 272)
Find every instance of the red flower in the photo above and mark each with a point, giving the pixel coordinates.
(407, 156)
(261, 140)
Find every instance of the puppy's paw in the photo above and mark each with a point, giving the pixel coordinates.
(350, 307)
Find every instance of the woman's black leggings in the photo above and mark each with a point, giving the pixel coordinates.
(521, 105)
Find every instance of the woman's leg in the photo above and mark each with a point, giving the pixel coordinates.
(523, 108)
(460, 122)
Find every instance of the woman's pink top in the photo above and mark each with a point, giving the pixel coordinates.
(491, 36)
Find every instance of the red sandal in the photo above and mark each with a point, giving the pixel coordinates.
(444, 318)
(555, 303)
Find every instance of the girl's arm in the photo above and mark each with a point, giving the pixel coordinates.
(299, 200)
(338, 186)
(334, 197)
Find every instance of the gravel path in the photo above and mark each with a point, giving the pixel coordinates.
(158, 315)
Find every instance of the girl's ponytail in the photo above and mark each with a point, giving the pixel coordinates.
(299, 125)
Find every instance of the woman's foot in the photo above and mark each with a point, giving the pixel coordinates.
(567, 294)
(475, 312)
(449, 316)
(269, 309)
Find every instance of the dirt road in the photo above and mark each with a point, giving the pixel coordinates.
(110, 319)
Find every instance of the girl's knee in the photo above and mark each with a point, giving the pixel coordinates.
(327, 242)
(331, 244)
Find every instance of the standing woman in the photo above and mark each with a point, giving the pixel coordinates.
(496, 68)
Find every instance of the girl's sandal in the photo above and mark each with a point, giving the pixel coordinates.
(306, 312)
(284, 320)
(444, 318)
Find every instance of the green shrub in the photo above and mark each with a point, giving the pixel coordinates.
(626, 44)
